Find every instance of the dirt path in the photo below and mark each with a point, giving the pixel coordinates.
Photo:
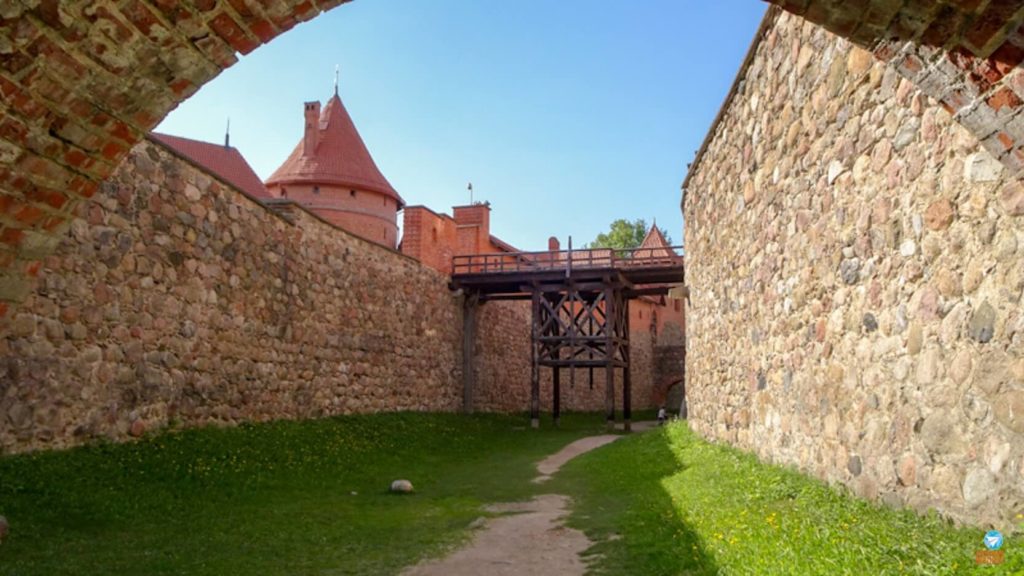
(531, 538)
(553, 463)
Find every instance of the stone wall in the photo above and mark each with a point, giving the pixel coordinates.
(174, 298)
(855, 263)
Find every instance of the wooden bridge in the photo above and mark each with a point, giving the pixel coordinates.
(580, 309)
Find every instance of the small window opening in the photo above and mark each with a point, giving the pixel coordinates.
(352, 193)
(316, 189)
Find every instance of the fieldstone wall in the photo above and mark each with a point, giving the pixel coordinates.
(175, 299)
(856, 263)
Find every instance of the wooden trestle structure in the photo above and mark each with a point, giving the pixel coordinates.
(580, 310)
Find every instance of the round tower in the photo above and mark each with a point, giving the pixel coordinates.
(331, 173)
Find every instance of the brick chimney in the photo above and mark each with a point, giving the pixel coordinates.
(553, 244)
(428, 237)
(412, 231)
(312, 134)
(473, 227)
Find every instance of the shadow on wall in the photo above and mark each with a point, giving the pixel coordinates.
(671, 334)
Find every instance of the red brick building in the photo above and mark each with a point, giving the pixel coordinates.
(434, 238)
(331, 173)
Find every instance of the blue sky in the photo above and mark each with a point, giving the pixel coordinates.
(564, 114)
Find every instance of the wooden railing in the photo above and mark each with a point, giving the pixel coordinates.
(587, 258)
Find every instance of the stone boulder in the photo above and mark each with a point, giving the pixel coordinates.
(401, 487)
(979, 486)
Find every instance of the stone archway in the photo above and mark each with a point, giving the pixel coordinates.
(82, 82)
(664, 389)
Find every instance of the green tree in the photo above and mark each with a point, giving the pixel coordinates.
(623, 235)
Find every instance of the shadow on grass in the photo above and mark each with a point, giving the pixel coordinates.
(283, 497)
(621, 504)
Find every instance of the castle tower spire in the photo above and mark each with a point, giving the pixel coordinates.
(331, 173)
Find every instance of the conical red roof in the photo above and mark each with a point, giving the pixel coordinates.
(341, 158)
(655, 245)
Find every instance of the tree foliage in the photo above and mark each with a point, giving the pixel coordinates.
(623, 234)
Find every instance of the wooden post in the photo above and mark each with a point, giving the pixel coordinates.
(556, 384)
(468, 341)
(590, 352)
(535, 364)
(556, 397)
(609, 382)
(627, 380)
(627, 409)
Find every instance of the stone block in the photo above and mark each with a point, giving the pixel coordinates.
(982, 167)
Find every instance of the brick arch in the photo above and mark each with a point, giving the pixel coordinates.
(966, 54)
(81, 82)
(661, 390)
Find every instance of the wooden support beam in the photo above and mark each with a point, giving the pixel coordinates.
(580, 339)
(470, 305)
(627, 369)
(609, 383)
(619, 279)
(635, 293)
(499, 297)
(556, 395)
(627, 408)
(535, 366)
(654, 291)
(627, 399)
(568, 363)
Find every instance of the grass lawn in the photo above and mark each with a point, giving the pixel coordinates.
(666, 502)
(311, 497)
(281, 498)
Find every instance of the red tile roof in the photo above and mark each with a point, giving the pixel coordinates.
(654, 238)
(502, 245)
(655, 245)
(341, 157)
(223, 161)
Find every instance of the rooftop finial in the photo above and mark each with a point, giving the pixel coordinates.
(227, 134)
(336, 70)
